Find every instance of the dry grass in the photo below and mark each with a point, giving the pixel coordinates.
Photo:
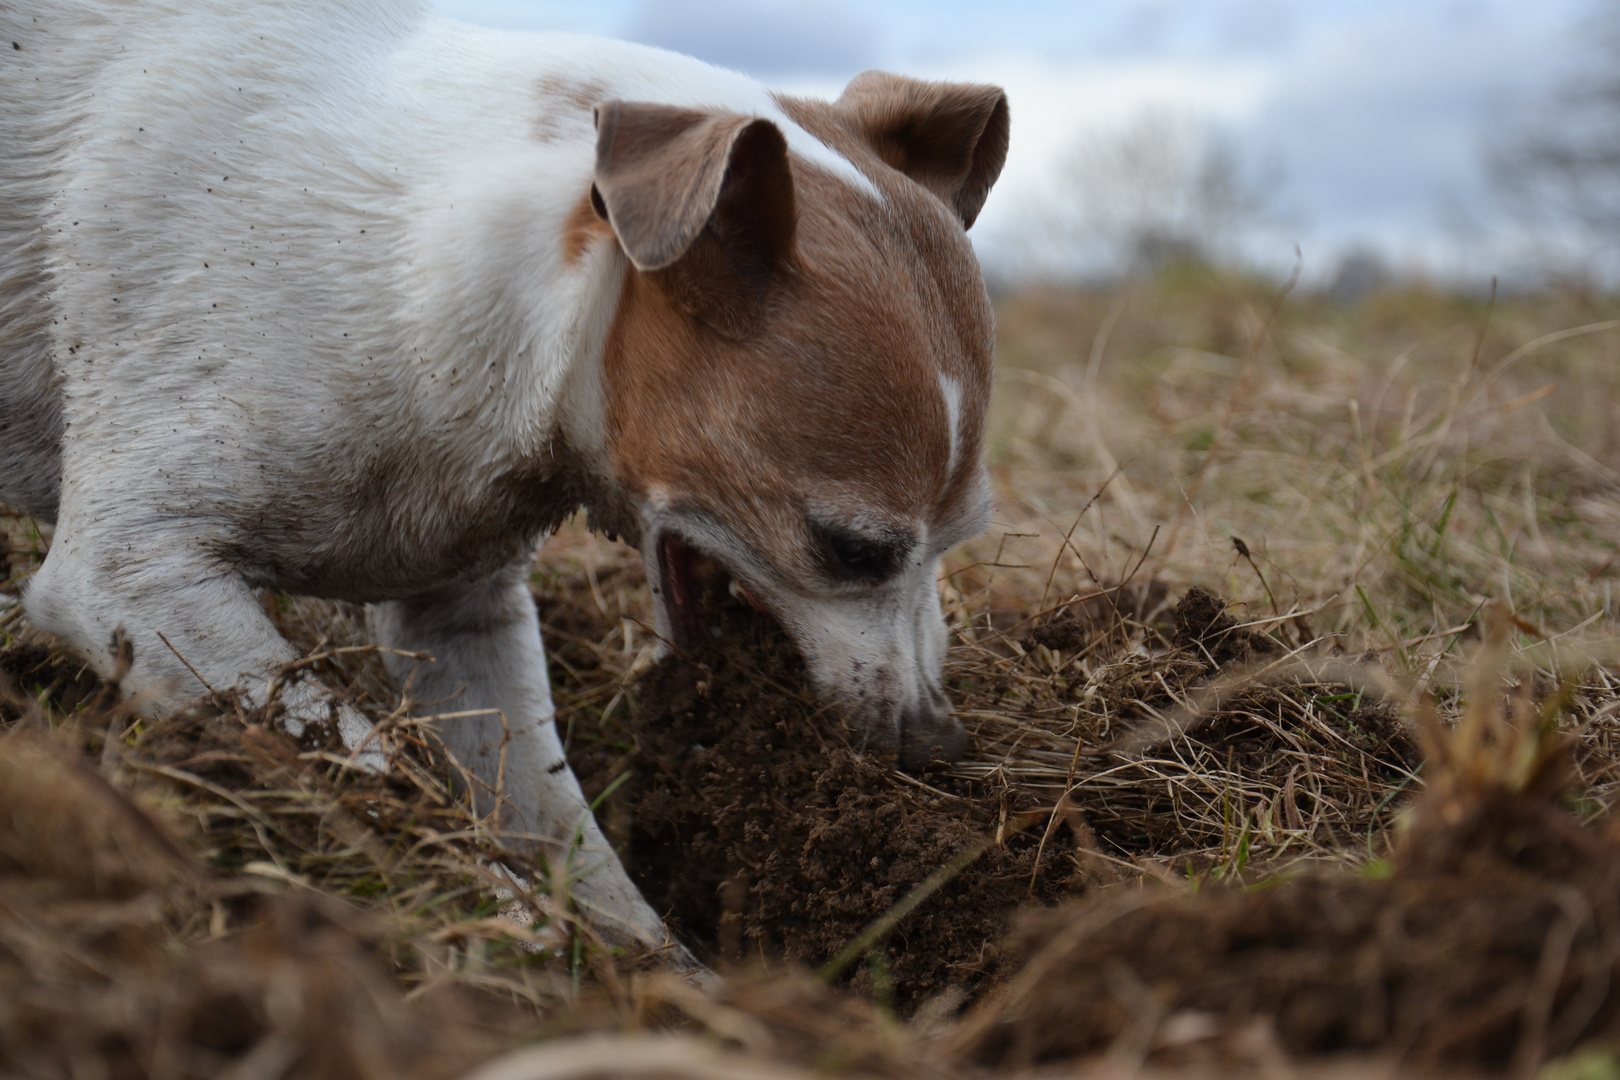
(1389, 466)
(278, 815)
(1389, 469)
(1360, 484)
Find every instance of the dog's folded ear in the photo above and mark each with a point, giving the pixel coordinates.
(949, 137)
(703, 201)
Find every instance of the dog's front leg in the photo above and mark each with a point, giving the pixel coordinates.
(194, 626)
(489, 668)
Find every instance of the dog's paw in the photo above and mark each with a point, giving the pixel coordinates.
(306, 704)
(361, 738)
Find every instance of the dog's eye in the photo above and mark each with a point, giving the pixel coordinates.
(851, 556)
(858, 557)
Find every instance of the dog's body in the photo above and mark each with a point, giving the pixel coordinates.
(346, 299)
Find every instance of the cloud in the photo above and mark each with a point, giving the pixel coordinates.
(1055, 106)
(1380, 127)
(1372, 127)
(761, 37)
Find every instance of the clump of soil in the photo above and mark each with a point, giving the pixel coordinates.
(1080, 623)
(1204, 628)
(762, 829)
(1491, 942)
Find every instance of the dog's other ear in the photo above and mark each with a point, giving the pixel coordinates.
(702, 201)
(949, 137)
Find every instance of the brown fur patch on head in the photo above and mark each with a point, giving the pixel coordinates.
(831, 403)
(581, 230)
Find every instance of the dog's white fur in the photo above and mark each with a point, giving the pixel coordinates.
(297, 275)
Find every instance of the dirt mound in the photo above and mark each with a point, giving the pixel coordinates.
(1183, 734)
(764, 831)
(1079, 623)
(1490, 941)
(750, 817)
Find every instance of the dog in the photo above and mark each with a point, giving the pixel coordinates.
(346, 299)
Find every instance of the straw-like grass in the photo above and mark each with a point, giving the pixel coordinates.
(1358, 484)
(408, 847)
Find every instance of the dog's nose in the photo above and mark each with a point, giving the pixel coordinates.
(930, 735)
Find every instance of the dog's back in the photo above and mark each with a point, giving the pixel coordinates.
(107, 221)
(300, 164)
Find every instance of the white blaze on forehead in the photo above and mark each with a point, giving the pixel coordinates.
(951, 390)
(823, 156)
(605, 69)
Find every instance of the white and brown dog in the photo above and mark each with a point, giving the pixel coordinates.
(346, 299)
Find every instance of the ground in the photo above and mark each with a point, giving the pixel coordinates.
(1289, 667)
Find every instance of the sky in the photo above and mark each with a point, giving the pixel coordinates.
(1363, 123)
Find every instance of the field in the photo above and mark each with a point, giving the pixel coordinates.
(1290, 667)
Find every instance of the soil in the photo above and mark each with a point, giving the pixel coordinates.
(763, 831)
(1078, 623)
(1491, 943)
(753, 821)
(1203, 627)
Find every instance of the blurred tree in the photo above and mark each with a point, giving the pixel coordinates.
(1166, 187)
(1360, 273)
(1558, 167)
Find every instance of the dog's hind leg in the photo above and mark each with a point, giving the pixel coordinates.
(489, 668)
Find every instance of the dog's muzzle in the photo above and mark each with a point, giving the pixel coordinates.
(878, 658)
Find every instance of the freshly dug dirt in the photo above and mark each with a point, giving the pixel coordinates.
(1204, 628)
(763, 831)
(1494, 943)
(751, 818)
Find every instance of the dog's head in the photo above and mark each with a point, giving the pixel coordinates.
(794, 386)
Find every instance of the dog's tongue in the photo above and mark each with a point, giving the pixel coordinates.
(697, 588)
(681, 586)
(748, 596)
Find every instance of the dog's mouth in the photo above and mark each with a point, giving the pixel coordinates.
(710, 613)
(700, 596)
